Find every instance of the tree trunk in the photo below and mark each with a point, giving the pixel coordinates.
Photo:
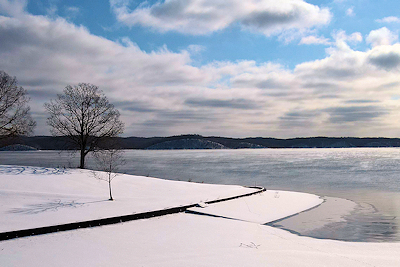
(109, 186)
(82, 163)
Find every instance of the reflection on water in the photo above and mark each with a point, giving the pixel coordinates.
(362, 175)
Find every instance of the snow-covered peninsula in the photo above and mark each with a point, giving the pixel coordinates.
(227, 233)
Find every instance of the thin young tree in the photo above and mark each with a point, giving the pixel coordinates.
(108, 160)
(15, 118)
(84, 115)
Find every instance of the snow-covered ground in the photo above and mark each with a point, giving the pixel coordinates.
(36, 196)
(32, 197)
(191, 240)
(262, 208)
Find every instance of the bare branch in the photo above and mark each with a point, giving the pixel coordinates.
(84, 115)
(109, 158)
(15, 118)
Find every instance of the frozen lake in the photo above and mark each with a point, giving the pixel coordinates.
(368, 176)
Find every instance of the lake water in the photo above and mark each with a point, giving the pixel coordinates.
(368, 177)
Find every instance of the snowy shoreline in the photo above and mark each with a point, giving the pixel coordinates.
(37, 197)
(232, 234)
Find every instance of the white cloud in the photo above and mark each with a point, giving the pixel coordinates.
(343, 41)
(314, 40)
(199, 17)
(341, 35)
(382, 36)
(52, 10)
(390, 19)
(13, 8)
(72, 12)
(162, 93)
(355, 37)
(350, 12)
(195, 49)
(385, 57)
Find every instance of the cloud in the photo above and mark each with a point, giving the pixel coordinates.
(382, 36)
(46, 43)
(72, 12)
(341, 36)
(13, 8)
(350, 12)
(136, 106)
(199, 17)
(47, 54)
(339, 65)
(390, 19)
(161, 92)
(348, 64)
(195, 49)
(307, 40)
(334, 115)
(361, 101)
(221, 103)
(267, 76)
(299, 118)
(52, 10)
(339, 115)
(384, 57)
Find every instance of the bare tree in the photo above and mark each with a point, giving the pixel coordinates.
(15, 118)
(108, 160)
(84, 115)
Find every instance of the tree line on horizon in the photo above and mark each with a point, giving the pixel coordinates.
(145, 143)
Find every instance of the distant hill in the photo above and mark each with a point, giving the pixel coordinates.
(187, 143)
(17, 147)
(216, 142)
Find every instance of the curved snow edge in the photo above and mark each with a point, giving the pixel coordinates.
(113, 220)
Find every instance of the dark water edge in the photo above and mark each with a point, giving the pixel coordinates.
(344, 220)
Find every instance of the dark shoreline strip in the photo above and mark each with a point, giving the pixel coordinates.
(111, 220)
(261, 189)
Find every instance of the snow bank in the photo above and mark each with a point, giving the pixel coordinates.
(262, 208)
(191, 240)
(32, 197)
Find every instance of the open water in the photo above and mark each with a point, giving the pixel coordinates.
(361, 186)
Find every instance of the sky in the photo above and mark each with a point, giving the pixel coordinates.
(288, 68)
